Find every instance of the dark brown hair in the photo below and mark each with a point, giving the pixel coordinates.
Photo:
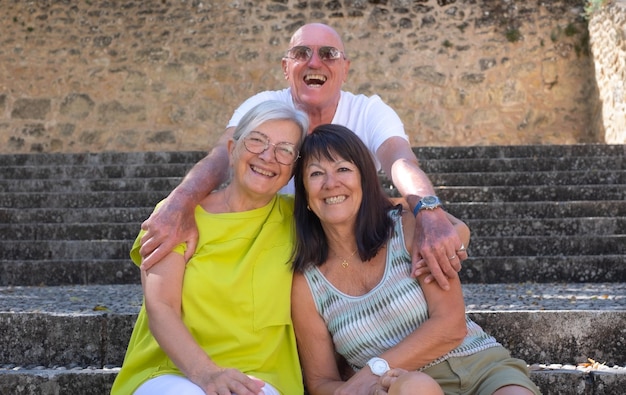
(373, 225)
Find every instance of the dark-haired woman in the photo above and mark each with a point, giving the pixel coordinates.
(353, 293)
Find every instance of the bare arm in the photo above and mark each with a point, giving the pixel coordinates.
(316, 349)
(445, 327)
(162, 285)
(173, 222)
(434, 238)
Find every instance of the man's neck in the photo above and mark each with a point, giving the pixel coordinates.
(319, 115)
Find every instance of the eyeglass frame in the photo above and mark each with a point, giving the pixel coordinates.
(309, 51)
(268, 143)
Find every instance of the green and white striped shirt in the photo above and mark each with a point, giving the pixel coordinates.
(365, 326)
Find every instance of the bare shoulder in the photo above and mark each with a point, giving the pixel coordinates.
(299, 288)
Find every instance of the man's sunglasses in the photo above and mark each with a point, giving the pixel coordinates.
(302, 53)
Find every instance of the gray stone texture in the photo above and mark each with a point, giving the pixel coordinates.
(153, 75)
(546, 274)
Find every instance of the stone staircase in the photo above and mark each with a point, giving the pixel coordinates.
(547, 274)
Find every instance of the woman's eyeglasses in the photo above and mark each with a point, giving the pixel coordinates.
(303, 53)
(257, 143)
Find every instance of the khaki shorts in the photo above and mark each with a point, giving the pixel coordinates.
(481, 373)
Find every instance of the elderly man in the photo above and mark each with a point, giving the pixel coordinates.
(316, 66)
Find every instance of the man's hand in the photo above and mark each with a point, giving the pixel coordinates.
(168, 226)
(436, 245)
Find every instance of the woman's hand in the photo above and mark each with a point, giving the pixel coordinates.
(228, 382)
(400, 381)
(363, 382)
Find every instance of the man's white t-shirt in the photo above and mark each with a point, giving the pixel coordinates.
(368, 117)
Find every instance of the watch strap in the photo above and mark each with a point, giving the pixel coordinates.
(417, 208)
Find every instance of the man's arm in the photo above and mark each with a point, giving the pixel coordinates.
(435, 238)
(173, 222)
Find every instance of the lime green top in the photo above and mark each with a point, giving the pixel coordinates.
(235, 300)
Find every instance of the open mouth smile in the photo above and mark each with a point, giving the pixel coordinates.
(335, 199)
(315, 80)
(262, 172)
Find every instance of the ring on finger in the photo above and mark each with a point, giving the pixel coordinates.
(452, 257)
(461, 248)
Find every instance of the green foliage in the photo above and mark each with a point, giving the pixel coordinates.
(554, 35)
(571, 30)
(447, 44)
(593, 6)
(513, 35)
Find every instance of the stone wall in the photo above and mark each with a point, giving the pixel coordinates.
(130, 75)
(607, 29)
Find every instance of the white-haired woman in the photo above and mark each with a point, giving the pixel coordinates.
(220, 323)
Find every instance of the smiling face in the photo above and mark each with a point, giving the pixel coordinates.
(316, 83)
(334, 191)
(261, 175)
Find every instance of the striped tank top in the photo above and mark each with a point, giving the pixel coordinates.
(365, 326)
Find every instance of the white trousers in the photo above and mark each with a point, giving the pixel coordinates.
(171, 384)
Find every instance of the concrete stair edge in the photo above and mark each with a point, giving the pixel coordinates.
(22, 381)
(541, 323)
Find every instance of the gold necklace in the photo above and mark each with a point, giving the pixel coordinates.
(344, 261)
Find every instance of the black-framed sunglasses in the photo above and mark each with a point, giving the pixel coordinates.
(257, 143)
(302, 53)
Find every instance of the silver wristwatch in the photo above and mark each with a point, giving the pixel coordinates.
(427, 203)
(378, 366)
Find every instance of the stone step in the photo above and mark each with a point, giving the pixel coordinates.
(547, 226)
(449, 194)
(56, 185)
(53, 272)
(117, 158)
(467, 210)
(485, 270)
(431, 166)
(487, 165)
(161, 181)
(542, 323)
(536, 210)
(52, 172)
(505, 227)
(61, 380)
(52, 215)
(70, 231)
(538, 193)
(423, 153)
(543, 269)
(102, 158)
(82, 199)
(540, 178)
(520, 151)
(557, 380)
(64, 249)
(548, 245)
(479, 247)
(101, 199)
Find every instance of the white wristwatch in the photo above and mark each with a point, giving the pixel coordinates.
(378, 366)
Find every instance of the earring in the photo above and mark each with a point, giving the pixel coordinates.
(308, 207)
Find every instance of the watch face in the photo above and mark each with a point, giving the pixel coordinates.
(430, 200)
(379, 366)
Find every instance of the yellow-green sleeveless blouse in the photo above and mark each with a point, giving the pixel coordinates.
(235, 300)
